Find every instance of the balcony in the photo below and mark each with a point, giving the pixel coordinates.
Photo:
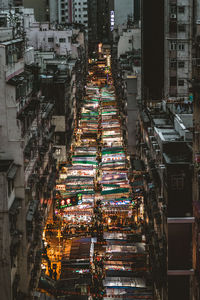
(30, 167)
(14, 58)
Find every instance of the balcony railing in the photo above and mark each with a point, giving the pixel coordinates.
(30, 167)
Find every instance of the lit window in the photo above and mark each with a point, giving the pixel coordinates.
(58, 151)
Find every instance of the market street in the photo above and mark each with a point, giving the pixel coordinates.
(94, 246)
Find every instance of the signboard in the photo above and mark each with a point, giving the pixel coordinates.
(67, 201)
(60, 187)
(112, 20)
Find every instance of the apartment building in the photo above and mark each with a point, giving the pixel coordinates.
(126, 66)
(28, 166)
(27, 162)
(196, 147)
(61, 53)
(69, 11)
(178, 49)
(164, 142)
(64, 80)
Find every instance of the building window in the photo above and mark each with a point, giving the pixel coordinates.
(181, 64)
(173, 45)
(173, 64)
(63, 19)
(181, 82)
(173, 81)
(181, 27)
(177, 182)
(181, 47)
(181, 9)
(172, 27)
(50, 40)
(10, 186)
(58, 151)
(62, 40)
(69, 39)
(173, 9)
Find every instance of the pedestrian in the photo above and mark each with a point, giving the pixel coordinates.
(55, 275)
(50, 273)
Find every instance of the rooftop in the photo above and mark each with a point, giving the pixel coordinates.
(162, 122)
(178, 153)
(11, 42)
(167, 134)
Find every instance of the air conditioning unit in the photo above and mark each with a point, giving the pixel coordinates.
(173, 16)
(151, 137)
(149, 129)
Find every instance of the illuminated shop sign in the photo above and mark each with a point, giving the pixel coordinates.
(61, 187)
(112, 20)
(100, 47)
(63, 202)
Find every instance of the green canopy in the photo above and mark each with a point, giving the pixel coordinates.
(116, 191)
(85, 162)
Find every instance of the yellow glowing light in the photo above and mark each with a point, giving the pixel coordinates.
(100, 47)
(109, 221)
(108, 61)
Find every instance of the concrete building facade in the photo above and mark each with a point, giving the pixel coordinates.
(178, 49)
(26, 145)
(69, 11)
(196, 147)
(164, 142)
(127, 71)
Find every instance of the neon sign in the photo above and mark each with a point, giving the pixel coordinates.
(112, 20)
